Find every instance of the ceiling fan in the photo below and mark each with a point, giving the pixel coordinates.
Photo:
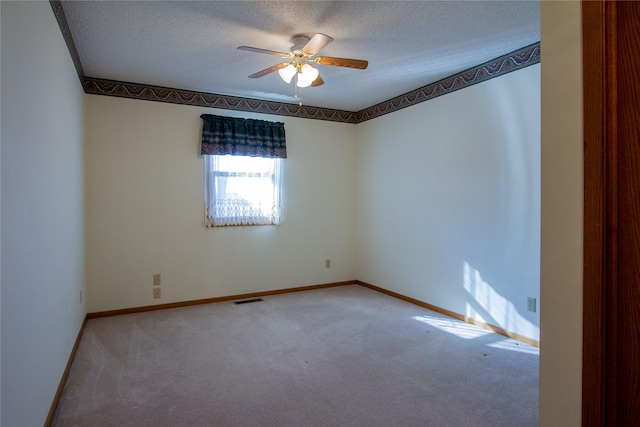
(299, 59)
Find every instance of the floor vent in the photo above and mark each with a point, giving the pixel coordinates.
(247, 301)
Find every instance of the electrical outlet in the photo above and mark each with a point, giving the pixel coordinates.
(156, 293)
(531, 304)
(327, 263)
(156, 280)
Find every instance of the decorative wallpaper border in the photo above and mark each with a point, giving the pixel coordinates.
(500, 66)
(58, 12)
(518, 59)
(202, 99)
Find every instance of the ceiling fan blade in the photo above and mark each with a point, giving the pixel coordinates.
(316, 43)
(269, 70)
(268, 52)
(342, 62)
(317, 82)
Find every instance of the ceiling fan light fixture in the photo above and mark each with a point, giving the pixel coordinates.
(306, 75)
(300, 56)
(287, 73)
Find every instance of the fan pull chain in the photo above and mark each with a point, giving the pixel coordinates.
(297, 90)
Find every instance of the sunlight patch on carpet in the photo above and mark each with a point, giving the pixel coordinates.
(457, 328)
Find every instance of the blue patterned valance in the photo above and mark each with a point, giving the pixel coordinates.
(242, 137)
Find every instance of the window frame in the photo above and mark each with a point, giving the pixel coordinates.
(224, 212)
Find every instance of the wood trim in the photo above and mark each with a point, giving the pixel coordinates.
(611, 296)
(214, 300)
(453, 314)
(63, 380)
(423, 304)
(65, 375)
(595, 55)
(623, 228)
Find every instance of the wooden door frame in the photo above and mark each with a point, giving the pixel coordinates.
(610, 296)
(597, 179)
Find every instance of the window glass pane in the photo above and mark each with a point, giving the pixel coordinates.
(242, 190)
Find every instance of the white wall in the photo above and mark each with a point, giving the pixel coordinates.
(562, 215)
(448, 202)
(42, 210)
(145, 209)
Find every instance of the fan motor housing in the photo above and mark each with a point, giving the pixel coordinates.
(299, 41)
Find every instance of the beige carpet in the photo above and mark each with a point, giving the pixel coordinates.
(343, 356)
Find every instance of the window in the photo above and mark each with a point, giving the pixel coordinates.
(243, 179)
(242, 190)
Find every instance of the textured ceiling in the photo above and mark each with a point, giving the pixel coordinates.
(192, 45)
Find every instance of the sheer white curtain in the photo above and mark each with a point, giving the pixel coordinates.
(242, 190)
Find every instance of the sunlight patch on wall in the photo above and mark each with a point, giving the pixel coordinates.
(490, 307)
